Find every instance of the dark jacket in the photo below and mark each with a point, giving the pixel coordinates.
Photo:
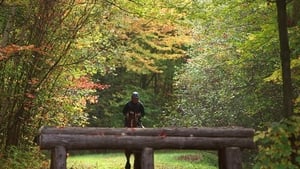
(135, 107)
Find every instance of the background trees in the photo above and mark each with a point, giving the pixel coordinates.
(224, 77)
(234, 76)
(150, 47)
(38, 54)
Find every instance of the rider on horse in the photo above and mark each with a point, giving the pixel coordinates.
(136, 108)
(133, 112)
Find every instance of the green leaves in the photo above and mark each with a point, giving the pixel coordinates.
(275, 147)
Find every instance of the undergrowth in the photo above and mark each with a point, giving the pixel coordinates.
(23, 158)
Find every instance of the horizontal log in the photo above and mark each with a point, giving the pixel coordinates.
(78, 142)
(180, 132)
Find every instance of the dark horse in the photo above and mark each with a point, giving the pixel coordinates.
(132, 121)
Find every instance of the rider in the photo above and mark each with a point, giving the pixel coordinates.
(134, 105)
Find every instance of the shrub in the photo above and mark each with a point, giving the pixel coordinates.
(275, 146)
(23, 158)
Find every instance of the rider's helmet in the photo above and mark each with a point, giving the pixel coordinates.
(135, 95)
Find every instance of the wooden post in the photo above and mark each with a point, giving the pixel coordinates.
(52, 158)
(230, 158)
(59, 157)
(147, 158)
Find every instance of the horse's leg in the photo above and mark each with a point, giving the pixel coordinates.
(127, 154)
(137, 160)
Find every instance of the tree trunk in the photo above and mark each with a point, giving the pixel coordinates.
(285, 58)
(13, 134)
(286, 69)
(14, 128)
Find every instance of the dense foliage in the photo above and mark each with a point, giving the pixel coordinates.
(194, 63)
(38, 54)
(234, 77)
(224, 77)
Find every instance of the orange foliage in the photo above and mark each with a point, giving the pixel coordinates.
(7, 51)
(86, 83)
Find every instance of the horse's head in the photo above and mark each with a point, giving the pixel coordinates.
(132, 119)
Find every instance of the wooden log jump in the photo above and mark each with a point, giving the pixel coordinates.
(227, 141)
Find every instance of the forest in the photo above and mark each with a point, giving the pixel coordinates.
(195, 63)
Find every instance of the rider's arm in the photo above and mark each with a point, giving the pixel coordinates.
(125, 109)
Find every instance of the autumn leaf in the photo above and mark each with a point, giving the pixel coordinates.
(30, 95)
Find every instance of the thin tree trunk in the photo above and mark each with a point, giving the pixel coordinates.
(13, 134)
(285, 58)
(286, 70)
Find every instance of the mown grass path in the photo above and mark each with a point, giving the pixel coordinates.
(162, 159)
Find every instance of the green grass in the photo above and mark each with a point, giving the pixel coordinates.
(162, 160)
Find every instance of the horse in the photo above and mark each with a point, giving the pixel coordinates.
(132, 121)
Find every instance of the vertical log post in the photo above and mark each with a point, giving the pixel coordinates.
(147, 158)
(59, 157)
(230, 158)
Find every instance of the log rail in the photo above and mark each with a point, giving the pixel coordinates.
(227, 141)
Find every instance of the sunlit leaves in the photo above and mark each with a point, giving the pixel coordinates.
(145, 34)
(151, 41)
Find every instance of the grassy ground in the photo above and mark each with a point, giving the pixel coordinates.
(162, 160)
